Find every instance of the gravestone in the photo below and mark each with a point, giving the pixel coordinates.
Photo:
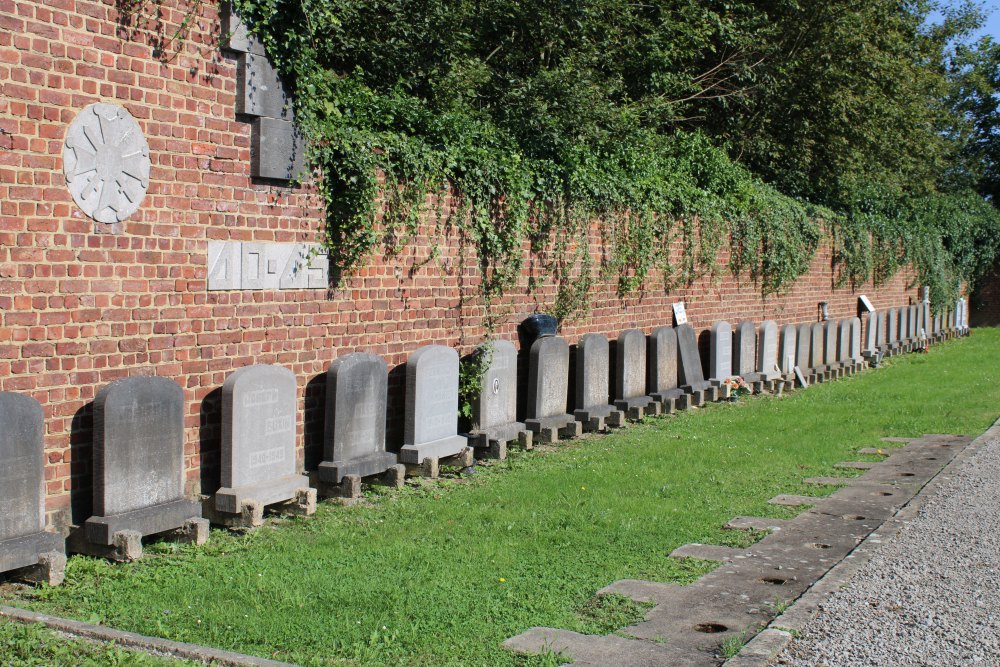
(855, 352)
(691, 377)
(24, 543)
(630, 376)
(767, 351)
(745, 351)
(914, 323)
(260, 90)
(960, 315)
(139, 468)
(258, 446)
(431, 422)
(548, 385)
(892, 328)
(494, 410)
(803, 347)
(593, 366)
(925, 317)
(354, 430)
(830, 349)
(817, 347)
(721, 358)
(904, 325)
(871, 335)
(662, 367)
(787, 349)
(844, 342)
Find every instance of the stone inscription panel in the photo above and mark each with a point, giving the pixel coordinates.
(234, 265)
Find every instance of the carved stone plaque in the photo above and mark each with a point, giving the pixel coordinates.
(255, 266)
(106, 162)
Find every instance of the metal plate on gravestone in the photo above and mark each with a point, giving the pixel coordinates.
(786, 349)
(277, 150)
(497, 400)
(431, 395)
(745, 348)
(767, 349)
(549, 378)
(844, 340)
(260, 90)
(354, 435)
(690, 371)
(817, 346)
(22, 466)
(258, 426)
(720, 364)
(138, 444)
(630, 364)
(592, 371)
(803, 346)
(854, 347)
(662, 360)
(830, 332)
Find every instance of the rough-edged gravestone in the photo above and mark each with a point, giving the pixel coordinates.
(662, 367)
(767, 351)
(548, 386)
(592, 390)
(721, 357)
(690, 376)
(745, 351)
(494, 410)
(354, 431)
(855, 352)
(630, 376)
(787, 349)
(139, 465)
(431, 422)
(258, 441)
(803, 347)
(24, 542)
(817, 346)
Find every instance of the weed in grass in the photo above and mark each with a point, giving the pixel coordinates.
(30, 645)
(605, 614)
(780, 606)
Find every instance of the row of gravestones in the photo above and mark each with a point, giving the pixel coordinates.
(139, 422)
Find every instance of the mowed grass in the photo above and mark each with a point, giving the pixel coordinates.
(441, 574)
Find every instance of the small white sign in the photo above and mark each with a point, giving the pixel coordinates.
(680, 316)
(866, 304)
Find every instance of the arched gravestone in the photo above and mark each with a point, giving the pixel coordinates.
(593, 366)
(630, 376)
(786, 350)
(494, 409)
(830, 332)
(844, 344)
(817, 346)
(431, 423)
(354, 432)
(745, 351)
(548, 387)
(871, 335)
(691, 377)
(258, 445)
(803, 347)
(892, 328)
(139, 468)
(721, 357)
(767, 351)
(855, 352)
(914, 330)
(24, 543)
(904, 325)
(662, 367)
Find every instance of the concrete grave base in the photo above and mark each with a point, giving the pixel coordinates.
(599, 418)
(229, 501)
(50, 569)
(450, 446)
(160, 518)
(641, 406)
(430, 466)
(493, 443)
(299, 500)
(550, 429)
(25, 551)
(375, 463)
(126, 544)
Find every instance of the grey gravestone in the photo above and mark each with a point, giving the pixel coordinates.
(914, 331)
(817, 345)
(277, 150)
(691, 377)
(260, 90)
(720, 366)
(925, 317)
(495, 408)
(548, 386)
(744, 359)
(139, 460)
(786, 351)
(904, 324)
(258, 439)
(855, 351)
(871, 337)
(354, 433)
(767, 350)
(23, 540)
(235, 35)
(630, 374)
(844, 343)
(431, 423)
(892, 327)
(881, 330)
(830, 349)
(959, 315)
(662, 379)
(592, 381)
(803, 346)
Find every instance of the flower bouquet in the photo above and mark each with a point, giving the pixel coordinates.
(737, 387)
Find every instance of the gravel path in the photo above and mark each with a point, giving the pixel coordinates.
(931, 594)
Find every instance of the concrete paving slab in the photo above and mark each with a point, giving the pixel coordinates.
(707, 552)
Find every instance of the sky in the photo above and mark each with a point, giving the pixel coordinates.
(992, 26)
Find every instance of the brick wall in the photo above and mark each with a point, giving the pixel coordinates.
(984, 304)
(81, 306)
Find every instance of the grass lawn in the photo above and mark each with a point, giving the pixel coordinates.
(441, 574)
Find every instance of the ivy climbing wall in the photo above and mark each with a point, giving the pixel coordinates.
(84, 302)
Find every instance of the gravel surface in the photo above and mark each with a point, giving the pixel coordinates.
(931, 594)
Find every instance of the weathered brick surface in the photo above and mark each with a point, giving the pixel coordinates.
(84, 304)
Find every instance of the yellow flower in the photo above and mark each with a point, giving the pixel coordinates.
(502, 580)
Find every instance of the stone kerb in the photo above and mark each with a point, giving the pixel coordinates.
(630, 376)
(495, 406)
(592, 390)
(258, 446)
(431, 421)
(138, 469)
(25, 546)
(662, 367)
(548, 387)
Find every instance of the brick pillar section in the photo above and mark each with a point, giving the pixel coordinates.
(81, 307)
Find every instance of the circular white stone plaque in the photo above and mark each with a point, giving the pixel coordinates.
(106, 162)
